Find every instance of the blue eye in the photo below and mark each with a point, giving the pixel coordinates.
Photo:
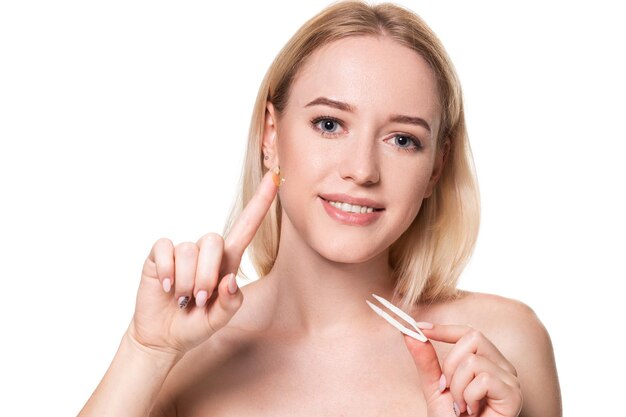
(326, 125)
(329, 125)
(404, 142)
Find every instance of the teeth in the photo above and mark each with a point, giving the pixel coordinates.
(351, 208)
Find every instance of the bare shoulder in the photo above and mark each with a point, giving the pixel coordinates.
(505, 319)
(518, 333)
(510, 324)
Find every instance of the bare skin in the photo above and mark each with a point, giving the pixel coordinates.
(304, 342)
(251, 368)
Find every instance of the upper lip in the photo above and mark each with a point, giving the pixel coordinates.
(345, 198)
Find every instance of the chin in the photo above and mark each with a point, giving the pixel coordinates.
(346, 252)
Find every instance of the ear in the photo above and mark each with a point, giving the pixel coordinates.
(440, 163)
(270, 133)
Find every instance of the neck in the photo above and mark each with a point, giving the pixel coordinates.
(316, 296)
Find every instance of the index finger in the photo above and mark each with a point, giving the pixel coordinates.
(448, 333)
(248, 222)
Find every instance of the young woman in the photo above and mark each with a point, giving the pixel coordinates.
(358, 180)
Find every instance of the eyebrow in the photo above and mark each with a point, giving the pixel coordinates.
(412, 120)
(398, 118)
(324, 101)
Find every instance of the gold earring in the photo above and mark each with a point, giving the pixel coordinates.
(278, 179)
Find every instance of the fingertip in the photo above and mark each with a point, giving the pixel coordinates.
(413, 344)
(225, 306)
(232, 284)
(183, 300)
(201, 298)
(442, 383)
(276, 176)
(273, 178)
(228, 288)
(408, 341)
(167, 285)
(230, 295)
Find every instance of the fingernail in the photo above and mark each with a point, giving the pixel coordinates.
(167, 285)
(201, 298)
(469, 410)
(424, 325)
(457, 411)
(232, 284)
(442, 383)
(183, 301)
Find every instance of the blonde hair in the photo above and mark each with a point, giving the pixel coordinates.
(429, 256)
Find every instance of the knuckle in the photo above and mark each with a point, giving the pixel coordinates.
(467, 363)
(231, 244)
(474, 335)
(162, 254)
(164, 266)
(186, 249)
(163, 241)
(471, 361)
(160, 248)
(483, 378)
(212, 239)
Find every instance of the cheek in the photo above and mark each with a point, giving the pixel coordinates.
(301, 156)
(408, 187)
(302, 166)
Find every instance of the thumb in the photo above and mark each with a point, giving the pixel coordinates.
(229, 299)
(427, 364)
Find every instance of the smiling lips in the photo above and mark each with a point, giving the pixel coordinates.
(351, 210)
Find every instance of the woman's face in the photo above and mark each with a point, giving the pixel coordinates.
(361, 121)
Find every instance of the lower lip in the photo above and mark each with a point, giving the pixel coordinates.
(356, 219)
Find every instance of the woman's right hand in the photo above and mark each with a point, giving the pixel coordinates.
(170, 274)
(481, 381)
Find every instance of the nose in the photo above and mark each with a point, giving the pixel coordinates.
(360, 163)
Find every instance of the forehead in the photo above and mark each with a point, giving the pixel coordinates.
(375, 74)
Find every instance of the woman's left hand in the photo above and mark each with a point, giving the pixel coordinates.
(481, 381)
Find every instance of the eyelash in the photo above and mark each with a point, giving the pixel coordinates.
(316, 120)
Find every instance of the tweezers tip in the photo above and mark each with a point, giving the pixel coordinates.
(415, 334)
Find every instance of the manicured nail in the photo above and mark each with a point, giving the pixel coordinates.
(201, 298)
(469, 410)
(457, 411)
(232, 284)
(442, 383)
(424, 325)
(183, 301)
(167, 285)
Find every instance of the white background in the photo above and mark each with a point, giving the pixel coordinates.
(125, 121)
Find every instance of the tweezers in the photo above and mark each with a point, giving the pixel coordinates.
(417, 334)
